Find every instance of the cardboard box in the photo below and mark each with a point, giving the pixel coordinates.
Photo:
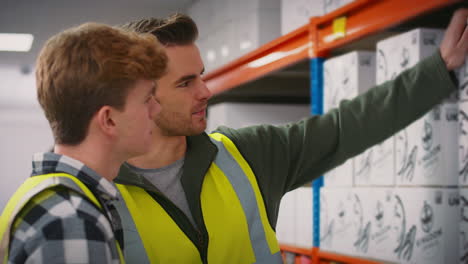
(294, 226)
(423, 153)
(426, 152)
(398, 53)
(462, 74)
(230, 29)
(341, 176)
(202, 12)
(209, 52)
(463, 235)
(227, 43)
(367, 221)
(450, 142)
(332, 5)
(381, 209)
(218, 48)
(362, 218)
(346, 77)
(463, 144)
(337, 220)
(399, 225)
(425, 224)
(375, 167)
(256, 28)
(285, 227)
(251, 5)
(296, 13)
(304, 225)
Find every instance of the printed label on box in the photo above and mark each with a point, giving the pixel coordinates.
(337, 220)
(375, 166)
(462, 74)
(426, 149)
(463, 144)
(425, 225)
(345, 77)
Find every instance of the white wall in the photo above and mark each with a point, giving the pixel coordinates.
(23, 129)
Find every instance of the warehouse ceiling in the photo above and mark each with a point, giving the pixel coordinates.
(44, 18)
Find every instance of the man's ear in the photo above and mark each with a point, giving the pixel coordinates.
(106, 120)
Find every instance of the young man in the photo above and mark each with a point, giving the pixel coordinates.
(96, 86)
(198, 198)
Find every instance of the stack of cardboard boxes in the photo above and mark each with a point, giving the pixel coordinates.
(230, 29)
(463, 162)
(399, 203)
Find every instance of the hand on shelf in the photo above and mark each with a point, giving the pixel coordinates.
(454, 46)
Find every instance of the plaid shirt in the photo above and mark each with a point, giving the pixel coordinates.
(61, 226)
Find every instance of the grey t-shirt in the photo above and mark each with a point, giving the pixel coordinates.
(167, 181)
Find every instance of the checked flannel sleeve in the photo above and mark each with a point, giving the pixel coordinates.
(60, 226)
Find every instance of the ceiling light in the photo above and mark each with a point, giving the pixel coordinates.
(211, 55)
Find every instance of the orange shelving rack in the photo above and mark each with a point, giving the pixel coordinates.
(316, 256)
(367, 17)
(363, 18)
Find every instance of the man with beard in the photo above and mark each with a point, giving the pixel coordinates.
(199, 198)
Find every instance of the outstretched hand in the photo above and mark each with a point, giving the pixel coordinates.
(454, 46)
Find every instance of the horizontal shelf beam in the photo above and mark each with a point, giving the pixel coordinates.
(366, 17)
(296, 250)
(324, 256)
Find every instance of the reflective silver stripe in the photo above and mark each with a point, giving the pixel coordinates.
(246, 195)
(134, 250)
(43, 185)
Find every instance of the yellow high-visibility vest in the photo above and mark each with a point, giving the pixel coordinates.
(233, 210)
(30, 188)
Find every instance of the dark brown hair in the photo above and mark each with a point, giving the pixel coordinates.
(84, 68)
(177, 29)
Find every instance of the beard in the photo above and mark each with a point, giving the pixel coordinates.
(177, 124)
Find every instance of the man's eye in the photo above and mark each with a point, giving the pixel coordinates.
(183, 84)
